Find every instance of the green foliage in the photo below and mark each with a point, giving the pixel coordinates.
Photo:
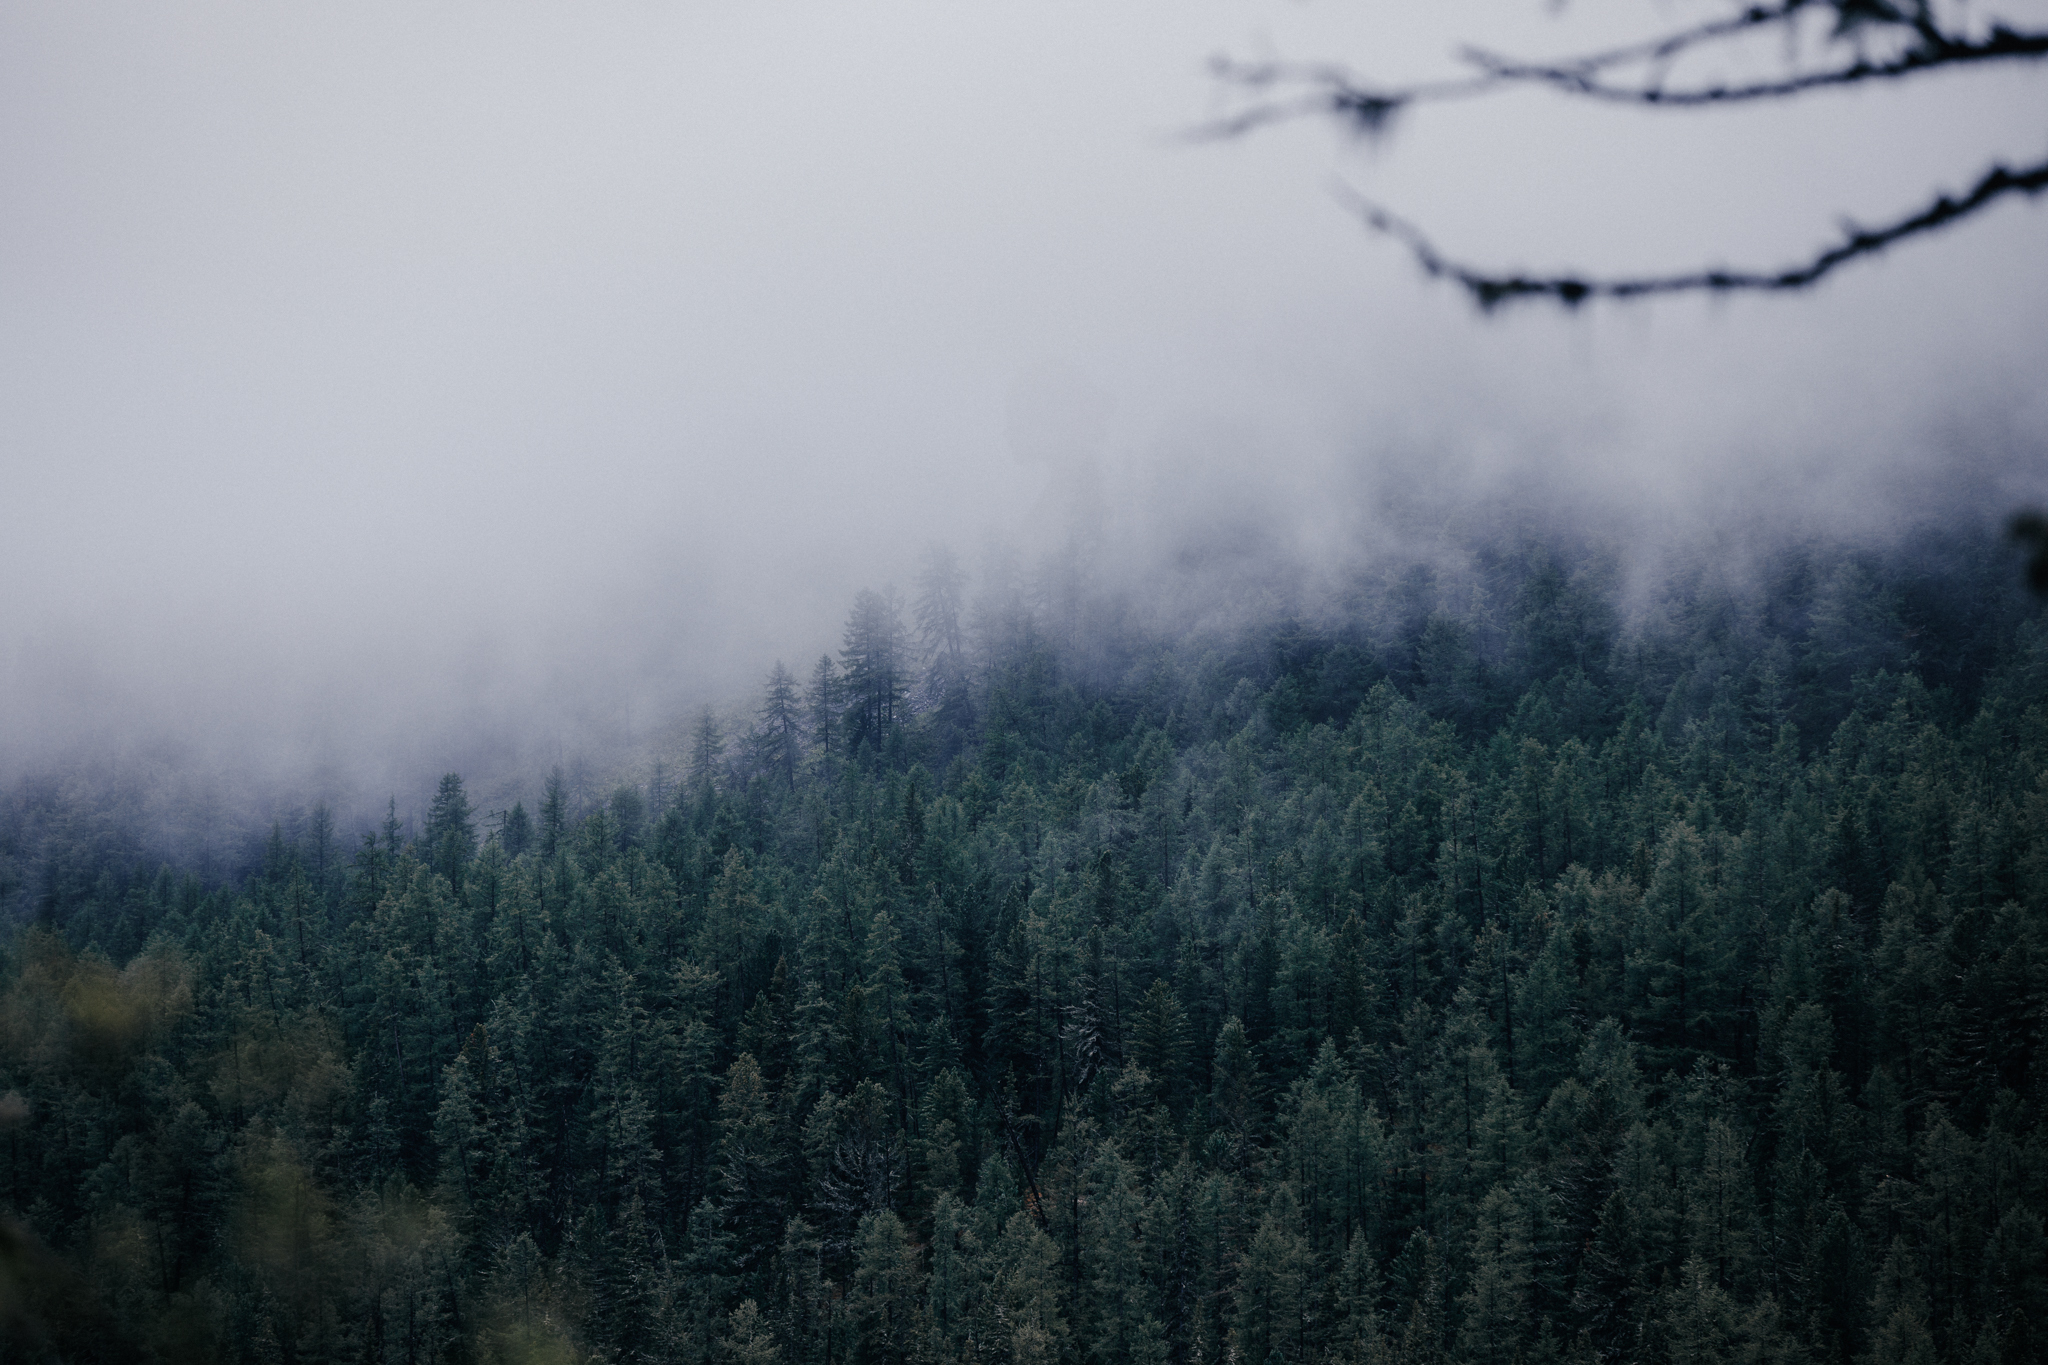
(1492, 984)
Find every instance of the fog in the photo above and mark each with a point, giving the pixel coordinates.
(390, 386)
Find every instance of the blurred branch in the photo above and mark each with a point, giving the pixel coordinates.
(1910, 37)
(1331, 90)
(2002, 45)
(1490, 290)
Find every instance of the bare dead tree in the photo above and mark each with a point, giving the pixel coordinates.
(1825, 44)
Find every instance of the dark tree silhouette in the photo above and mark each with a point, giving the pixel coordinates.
(1851, 42)
(2030, 529)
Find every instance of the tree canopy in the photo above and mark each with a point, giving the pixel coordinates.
(1477, 977)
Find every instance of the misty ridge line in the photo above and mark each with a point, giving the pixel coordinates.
(1420, 598)
(295, 696)
(1199, 528)
(1185, 928)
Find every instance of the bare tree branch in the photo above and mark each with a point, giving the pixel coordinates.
(1911, 39)
(1672, 45)
(1329, 89)
(1490, 290)
(1332, 90)
(1579, 80)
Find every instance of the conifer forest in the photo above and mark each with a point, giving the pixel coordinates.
(1508, 962)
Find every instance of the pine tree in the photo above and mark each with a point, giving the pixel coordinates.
(1272, 1316)
(1360, 1337)
(1418, 1276)
(1117, 1321)
(747, 1339)
(941, 586)
(460, 1137)
(825, 702)
(1026, 1293)
(938, 611)
(876, 677)
(807, 1312)
(517, 833)
(886, 1299)
(750, 1160)
(450, 833)
(1700, 1326)
(1720, 1206)
(707, 751)
(1234, 1093)
(950, 1287)
(554, 815)
(628, 810)
(1682, 965)
(778, 734)
(1161, 1043)
(1496, 1301)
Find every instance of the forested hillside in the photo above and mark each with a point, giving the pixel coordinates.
(1504, 964)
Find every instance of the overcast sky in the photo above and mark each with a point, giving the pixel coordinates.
(405, 362)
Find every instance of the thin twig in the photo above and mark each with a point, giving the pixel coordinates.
(1490, 290)
(2002, 45)
(1332, 90)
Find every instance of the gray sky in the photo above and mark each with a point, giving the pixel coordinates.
(367, 369)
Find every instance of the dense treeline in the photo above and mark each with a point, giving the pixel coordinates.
(1475, 975)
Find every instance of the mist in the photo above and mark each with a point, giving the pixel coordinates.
(491, 386)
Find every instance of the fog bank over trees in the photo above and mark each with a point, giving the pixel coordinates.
(426, 390)
(785, 684)
(1191, 539)
(1907, 569)
(1509, 956)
